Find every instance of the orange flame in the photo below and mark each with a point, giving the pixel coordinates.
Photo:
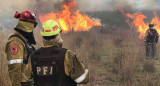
(69, 20)
(138, 22)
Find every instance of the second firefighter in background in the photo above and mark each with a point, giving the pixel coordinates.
(53, 65)
(151, 39)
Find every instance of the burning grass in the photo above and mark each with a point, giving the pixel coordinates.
(70, 18)
(139, 22)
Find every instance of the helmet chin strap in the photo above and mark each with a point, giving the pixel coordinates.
(35, 24)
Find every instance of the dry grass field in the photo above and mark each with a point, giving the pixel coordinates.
(113, 56)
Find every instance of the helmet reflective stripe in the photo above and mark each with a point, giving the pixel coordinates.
(47, 30)
(50, 28)
(33, 15)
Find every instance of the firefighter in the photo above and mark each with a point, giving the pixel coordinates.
(53, 65)
(19, 47)
(151, 38)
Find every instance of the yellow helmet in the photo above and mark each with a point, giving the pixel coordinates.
(151, 24)
(50, 28)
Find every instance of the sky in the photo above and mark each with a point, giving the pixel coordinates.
(9, 7)
(146, 4)
(99, 5)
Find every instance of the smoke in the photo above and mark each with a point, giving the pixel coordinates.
(9, 6)
(49, 5)
(104, 5)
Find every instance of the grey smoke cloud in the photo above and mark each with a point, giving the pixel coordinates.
(10, 6)
(99, 5)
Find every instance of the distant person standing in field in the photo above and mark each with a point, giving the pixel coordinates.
(19, 47)
(151, 38)
(53, 65)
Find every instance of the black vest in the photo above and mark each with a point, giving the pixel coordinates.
(48, 67)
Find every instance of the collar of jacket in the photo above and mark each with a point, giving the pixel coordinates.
(15, 32)
(151, 27)
(25, 26)
(50, 43)
(53, 42)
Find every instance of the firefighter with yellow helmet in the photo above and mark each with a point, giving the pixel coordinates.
(53, 65)
(151, 38)
(19, 47)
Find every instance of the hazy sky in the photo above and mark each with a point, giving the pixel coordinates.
(92, 5)
(9, 7)
(146, 4)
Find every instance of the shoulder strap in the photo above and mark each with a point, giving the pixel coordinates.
(28, 45)
(15, 35)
